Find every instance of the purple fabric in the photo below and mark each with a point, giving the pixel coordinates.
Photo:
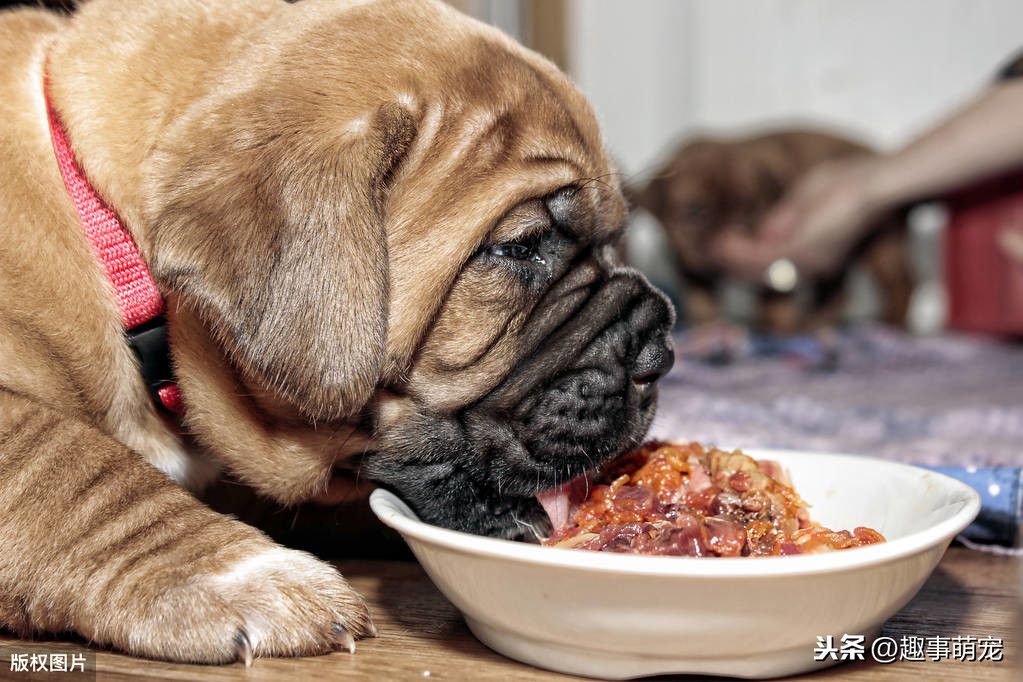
(950, 400)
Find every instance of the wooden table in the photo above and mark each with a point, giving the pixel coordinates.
(422, 636)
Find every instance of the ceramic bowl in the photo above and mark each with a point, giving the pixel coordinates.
(619, 616)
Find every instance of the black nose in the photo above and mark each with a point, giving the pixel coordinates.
(652, 363)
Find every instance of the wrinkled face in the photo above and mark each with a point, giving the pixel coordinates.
(541, 366)
(524, 353)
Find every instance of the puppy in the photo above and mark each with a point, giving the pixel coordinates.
(711, 185)
(382, 251)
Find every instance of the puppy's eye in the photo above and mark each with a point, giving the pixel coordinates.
(526, 249)
(514, 250)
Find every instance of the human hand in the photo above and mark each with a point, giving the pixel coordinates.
(814, 225)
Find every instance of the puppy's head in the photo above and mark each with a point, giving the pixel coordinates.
(710, 186)
(394, 217)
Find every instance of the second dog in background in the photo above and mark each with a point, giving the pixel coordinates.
(710, 186)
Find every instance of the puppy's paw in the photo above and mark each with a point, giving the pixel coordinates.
(267, 601)
(291, 604)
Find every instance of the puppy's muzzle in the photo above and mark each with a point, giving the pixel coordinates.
(583, 391)
(590, 387)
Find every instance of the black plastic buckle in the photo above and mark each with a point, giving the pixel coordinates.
(149, 343)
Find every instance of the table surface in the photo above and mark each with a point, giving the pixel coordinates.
(422, 636)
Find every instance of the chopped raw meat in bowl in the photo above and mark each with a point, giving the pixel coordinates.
(687, 500)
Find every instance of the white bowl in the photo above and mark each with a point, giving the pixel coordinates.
(618, 616)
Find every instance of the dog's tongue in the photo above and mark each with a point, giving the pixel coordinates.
(561, 501)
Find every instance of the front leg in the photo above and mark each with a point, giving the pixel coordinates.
(99, 542)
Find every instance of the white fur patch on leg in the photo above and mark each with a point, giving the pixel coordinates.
(165, 451)
(249, 576)
(254, 586)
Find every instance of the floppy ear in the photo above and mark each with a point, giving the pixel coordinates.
(275, 232)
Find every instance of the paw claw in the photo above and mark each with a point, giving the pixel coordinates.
(344, 637)
(371, 629)
(243, 647)
(259, 600)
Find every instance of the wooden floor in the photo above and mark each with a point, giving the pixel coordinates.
(422, 636)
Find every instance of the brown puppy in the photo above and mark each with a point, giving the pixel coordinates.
(381, 249)
(711, 185)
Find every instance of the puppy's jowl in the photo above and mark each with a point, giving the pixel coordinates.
(377, 249)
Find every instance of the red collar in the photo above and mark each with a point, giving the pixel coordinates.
(140, 301)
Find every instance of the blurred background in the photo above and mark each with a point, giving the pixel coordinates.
(660, 72)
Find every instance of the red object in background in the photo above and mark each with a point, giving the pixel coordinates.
(985, 287)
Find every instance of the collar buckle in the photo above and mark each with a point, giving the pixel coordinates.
(149, 343)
